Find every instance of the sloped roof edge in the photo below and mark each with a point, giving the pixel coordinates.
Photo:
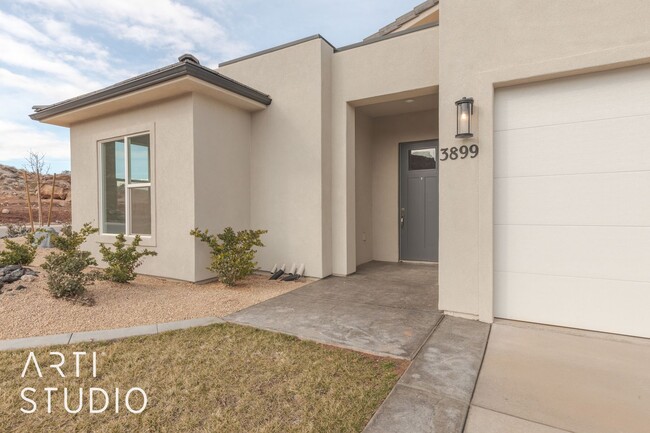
(186, 67)
(400, 21)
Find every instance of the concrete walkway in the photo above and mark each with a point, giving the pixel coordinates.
(387, 309)
(434, 394)
(104, 335)
(543, 379)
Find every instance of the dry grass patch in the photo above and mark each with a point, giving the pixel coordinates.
(222, 378)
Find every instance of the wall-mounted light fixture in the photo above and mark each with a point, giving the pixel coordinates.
(464, 111)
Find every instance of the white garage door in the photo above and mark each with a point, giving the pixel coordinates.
(572, 202)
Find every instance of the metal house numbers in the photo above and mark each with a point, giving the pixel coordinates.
(459, 152)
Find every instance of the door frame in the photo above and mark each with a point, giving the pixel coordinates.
(435, 143)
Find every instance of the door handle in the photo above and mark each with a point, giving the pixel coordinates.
(402, 215)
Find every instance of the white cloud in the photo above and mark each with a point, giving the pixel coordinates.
(21, 29)
(160, 23)
(17, 139)
(51, 50)
(40, 90)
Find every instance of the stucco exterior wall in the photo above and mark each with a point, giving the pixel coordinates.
(536, 40)
(289, 154)
(222, 143)
(403, 66)
(171, 126)
(363, 187)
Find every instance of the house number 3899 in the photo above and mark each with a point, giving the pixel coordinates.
(461, 152)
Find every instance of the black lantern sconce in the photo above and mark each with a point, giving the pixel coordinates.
(464, 111)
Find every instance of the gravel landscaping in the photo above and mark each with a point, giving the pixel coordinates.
(31, 311)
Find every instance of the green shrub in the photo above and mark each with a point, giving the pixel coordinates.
(232, 253)
(65, 269)
(19, 254)
(123, 261)
(17, 230)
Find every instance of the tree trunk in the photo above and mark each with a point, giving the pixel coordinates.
(38, 195)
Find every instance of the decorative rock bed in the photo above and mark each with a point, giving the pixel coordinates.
(12, 273)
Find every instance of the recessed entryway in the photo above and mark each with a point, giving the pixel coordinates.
(380, 231)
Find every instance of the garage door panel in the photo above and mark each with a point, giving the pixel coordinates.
(574, 302)
(581, 98)
(617, 253)
(610, 199)
(572, 201)
(592, 147)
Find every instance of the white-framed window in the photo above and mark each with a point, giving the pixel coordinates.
(125, 185)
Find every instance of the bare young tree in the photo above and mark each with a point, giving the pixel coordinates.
(35, 164)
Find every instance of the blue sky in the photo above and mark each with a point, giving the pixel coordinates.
(52, 50)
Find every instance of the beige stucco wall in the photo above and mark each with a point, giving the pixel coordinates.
(290, 154)
(170, 123)
(363, 186)
(536, 40)
(303, 145)
(222, 142)
(394, 68)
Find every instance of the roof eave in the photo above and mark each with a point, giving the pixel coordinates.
(148, 80)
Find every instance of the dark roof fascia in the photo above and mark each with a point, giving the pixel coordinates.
(277, 48)
(389, 36)
(149, 79)
(227, 83)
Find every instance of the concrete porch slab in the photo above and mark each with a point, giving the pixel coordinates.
(379, 330)
(386, 309)
(566, 380)
(399, 285)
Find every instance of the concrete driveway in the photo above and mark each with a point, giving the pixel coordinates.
(543, 379)
(386, 309)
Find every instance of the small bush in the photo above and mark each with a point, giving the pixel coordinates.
(123, 261)
(18, 254)
(65, 269)
(232, 253)
(17, 230)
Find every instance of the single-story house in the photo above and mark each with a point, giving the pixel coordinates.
(505, 140)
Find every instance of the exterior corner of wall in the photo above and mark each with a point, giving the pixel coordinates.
(326, 158)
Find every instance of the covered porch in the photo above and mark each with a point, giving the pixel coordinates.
(387, 309)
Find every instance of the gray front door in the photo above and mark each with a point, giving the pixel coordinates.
(418, 201)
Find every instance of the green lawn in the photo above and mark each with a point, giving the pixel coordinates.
(222, 378)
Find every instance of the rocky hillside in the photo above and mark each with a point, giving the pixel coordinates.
(13, 200)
